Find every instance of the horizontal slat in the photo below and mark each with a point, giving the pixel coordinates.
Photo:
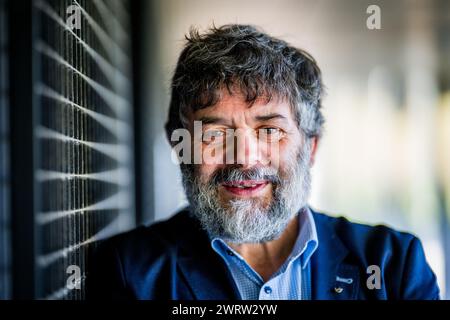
(115, 101)
(47, 259)
(120, 176)
(63, 291)
(115, 151)
(116, 126)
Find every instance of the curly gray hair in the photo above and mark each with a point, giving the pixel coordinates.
(243, 58)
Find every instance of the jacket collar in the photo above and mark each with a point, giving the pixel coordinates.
(332, 278)
(202, 269)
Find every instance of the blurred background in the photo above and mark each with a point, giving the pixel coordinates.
(84, 154)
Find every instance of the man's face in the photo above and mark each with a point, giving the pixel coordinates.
(256, 177)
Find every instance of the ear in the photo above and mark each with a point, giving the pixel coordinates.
(314, 147)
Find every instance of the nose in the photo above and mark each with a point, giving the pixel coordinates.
(244, 149)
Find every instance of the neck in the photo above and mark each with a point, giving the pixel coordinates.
(267, 257)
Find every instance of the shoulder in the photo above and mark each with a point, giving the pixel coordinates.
(399, 255)
(129, 265)
(358, 235)
(157, 238)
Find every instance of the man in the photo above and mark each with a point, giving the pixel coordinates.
(251, 105)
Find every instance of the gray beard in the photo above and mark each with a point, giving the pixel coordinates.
(248, 220)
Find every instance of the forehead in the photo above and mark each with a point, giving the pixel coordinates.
(235, 105)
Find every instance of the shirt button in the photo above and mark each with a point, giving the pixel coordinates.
(230, 253)
(268, 290)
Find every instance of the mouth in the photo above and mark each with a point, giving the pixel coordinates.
(246, 188)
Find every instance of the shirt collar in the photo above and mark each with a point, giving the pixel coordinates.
(304, 247)
(307, 240)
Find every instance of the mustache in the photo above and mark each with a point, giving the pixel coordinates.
(235, 173)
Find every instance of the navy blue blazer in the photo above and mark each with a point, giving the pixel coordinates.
(174, 260)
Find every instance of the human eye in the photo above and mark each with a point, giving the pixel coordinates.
(213, 136)
(270, 133)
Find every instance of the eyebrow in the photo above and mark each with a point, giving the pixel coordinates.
(270, 116)
(212, 120)
(216, 120)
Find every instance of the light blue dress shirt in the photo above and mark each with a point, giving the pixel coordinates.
(291, 282)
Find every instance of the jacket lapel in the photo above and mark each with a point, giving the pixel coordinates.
(201, 268)
(331, 277)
